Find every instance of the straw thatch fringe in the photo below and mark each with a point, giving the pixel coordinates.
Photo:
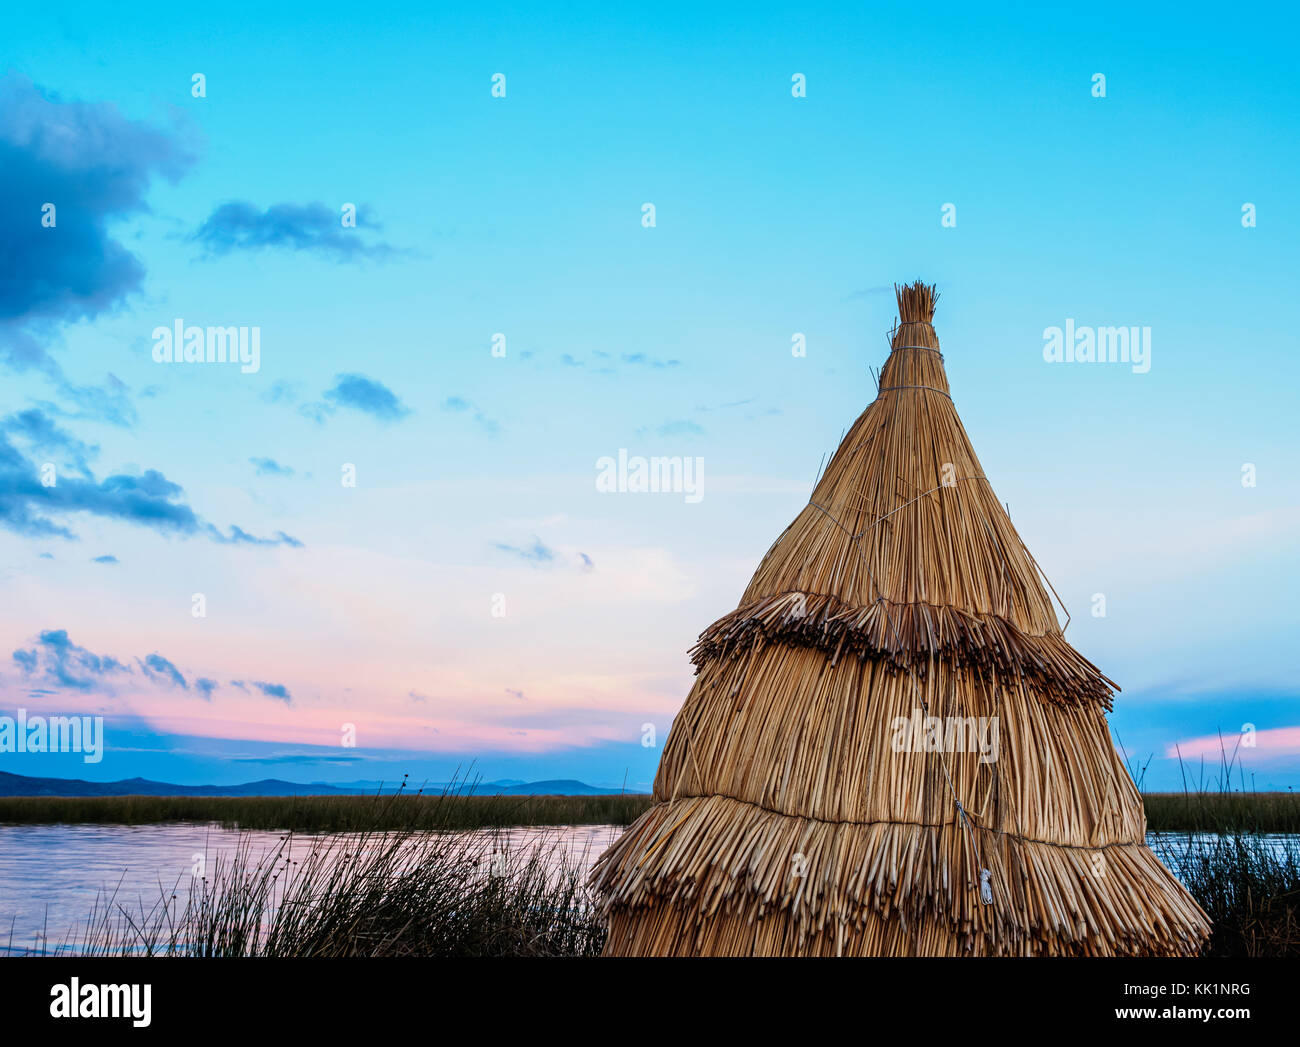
(910, 636)
(714, 875)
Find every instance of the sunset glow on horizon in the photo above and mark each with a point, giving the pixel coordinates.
(422, 534)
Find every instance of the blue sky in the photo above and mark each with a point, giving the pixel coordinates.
(371, 605)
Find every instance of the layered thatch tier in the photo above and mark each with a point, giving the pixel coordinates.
(797, 817)
(712, 876)
(785, 730)
(949, 789)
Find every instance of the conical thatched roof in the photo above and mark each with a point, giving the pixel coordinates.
(799, 811)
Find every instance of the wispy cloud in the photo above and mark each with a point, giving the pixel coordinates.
(40, 433)
(314, 228)
(281, 391)
(356, 392)
(731, 409)
(870, 292)
(459, 405)
(537, 554)
(303, 758)
(235, 535)
(644, 360)
(270, 467)
(680, 427)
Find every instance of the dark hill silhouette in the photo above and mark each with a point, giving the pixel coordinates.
(22, 785)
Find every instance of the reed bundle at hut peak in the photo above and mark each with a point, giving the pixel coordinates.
(890, 748)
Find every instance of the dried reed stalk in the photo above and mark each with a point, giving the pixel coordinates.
(786, 822)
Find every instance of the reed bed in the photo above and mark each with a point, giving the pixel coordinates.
(1223, 812)
(448, 811)
(379, 893)
(788, 818)
(1248, 884)
(414, 895)
(1251, 812)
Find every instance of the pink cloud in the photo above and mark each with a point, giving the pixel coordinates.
(1276, 741)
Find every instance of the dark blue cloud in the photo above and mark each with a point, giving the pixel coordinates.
(160, 670)
(315, 228)
(31, 506)
(356, 392)
(277, 691)
(270, 467)
(28, 507)
(106, 558)
(94, 166)
(55, 659)
(359, 393)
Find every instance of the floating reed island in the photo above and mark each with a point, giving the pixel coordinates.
(799, 810)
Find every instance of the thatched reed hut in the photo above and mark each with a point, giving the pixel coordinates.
(820, 792)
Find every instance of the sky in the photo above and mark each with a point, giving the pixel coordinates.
(383, 549)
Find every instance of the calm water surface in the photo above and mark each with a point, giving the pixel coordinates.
(53, 876)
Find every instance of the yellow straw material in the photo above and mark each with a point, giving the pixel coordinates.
(795, 817)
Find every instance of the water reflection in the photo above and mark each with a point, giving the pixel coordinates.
(53, 876)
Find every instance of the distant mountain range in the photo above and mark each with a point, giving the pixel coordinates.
(21, 785)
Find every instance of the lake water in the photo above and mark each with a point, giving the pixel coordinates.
(1171, 847)
(53, 876)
